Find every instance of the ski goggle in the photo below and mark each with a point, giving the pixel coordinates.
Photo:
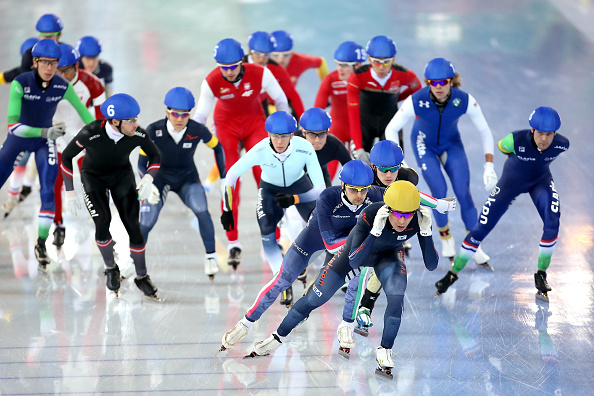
(381, 61)
(176, 114)
(229, 67)
(284, 54)
(345, 64)
(435, 83)
(356, 189)
(130, 120)
(260, 54)
(400, 215)
(385, 169)
(314, 135)
(282, 136)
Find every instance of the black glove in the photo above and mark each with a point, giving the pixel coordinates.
(227, 220)
(284, 200)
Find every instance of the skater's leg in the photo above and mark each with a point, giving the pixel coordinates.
(194, 197)
(546, 200)
(269, 214)
(392, 275)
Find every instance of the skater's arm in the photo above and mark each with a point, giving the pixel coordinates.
(274, 90)
(324, 207)
(424, 235)
(361, 239)
(205, 103)
(142, 163)
(214, 144)
(405, 113)
(14, 114)
(75, 146)
(152, 152)
(478, 119)
(506, 145)
(84, 113)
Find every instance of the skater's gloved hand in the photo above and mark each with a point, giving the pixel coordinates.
(489, 176)
(155, 195)
(227, 220)
(72, 204)
(380, 221)
(55, 131)
(445, 205)
(424, 217)
(145, 186)
(284, 200)
(362, 155)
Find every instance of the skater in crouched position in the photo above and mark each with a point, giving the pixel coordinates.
(283, 159)
(177, 138)
(526, 170)
(375, 241)
(106, 170)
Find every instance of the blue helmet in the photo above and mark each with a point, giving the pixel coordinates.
(315, 119)
(49, 23)
(261, 42)
(281, 122)
(381, 47)
(120, 107)
(228, 51)
(29, 43)
(46, 48)
(88, 46)
(439, 68)
(349, 51)
(179, 98)
(284, 40)
(70, 55)
(545, 119)
(386, 153)
(356, 173)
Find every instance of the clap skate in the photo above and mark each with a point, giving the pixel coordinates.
(233, 336)
(265, 347)
(363, 321)
(448, 246)
(303, 278)
(211, 265)
(385, 364)
(444, 283)
(287, 297)
(540, 281)
(113, 279)
(41, 253)
(482, 260)
(8, 206)
(147, 287)
(345, 338)
(234, 257)
(59, 237)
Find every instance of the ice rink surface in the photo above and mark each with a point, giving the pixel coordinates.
(63, 334)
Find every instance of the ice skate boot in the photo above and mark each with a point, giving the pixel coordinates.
(303, 278)
(147, 287)
(211, 265)
(59, 236)
(113, 279)
(540, 281)
(233, 336)
(9, 205)
(384, 361)
(444, 283)
(41, 253)
(234, 257)
(448, 245)
(407, 246)
(265, 347)
(25, 191)
(287, 297)
(481, 259)
(363, 321)
(345, 338)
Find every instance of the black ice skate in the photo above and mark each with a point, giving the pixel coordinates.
(59, 237)
(234, 257)
(287, 297)
(443, 284)
(147, 287)
(113, 279)
(540, 281)
(41, 253)
(303, 278)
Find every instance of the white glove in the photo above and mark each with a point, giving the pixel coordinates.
(424, 217)
(362, 155)
(155, 195)
(145, 187)
(489, 176)
(445, 205)
(54, 132)
(72, 204)
(380, 221)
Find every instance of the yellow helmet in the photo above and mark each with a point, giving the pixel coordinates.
(402, 196)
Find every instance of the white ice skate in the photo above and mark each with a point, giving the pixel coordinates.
(345, 338)
(266, 347)
(9, 205)
(383, 357)
(233, 336)
(481, 259)
(448, 248)
(211, 265)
